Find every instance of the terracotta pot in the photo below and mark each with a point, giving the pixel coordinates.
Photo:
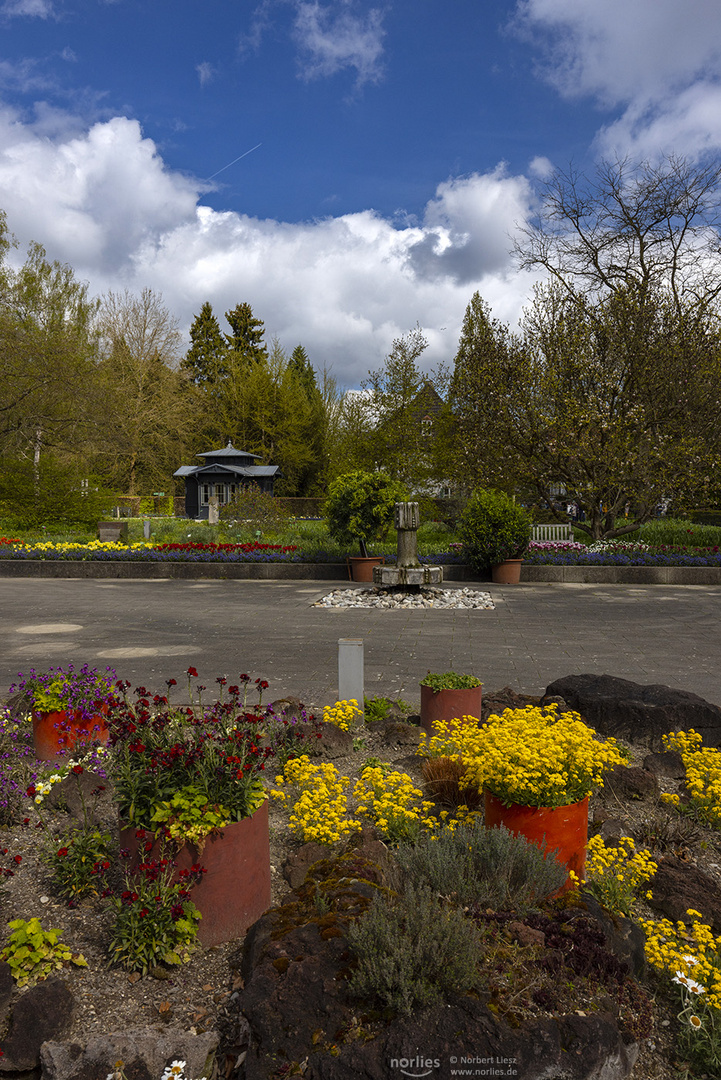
(57, 733)
(444, 705)
(507, 572)
(235, 891)
(360, 567)
(564, 828)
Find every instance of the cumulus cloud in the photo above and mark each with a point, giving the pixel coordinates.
(92, 196)
(659, 60)
(467, 226)
(331, 40)
(344, 286)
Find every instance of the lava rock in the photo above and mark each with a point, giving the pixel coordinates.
(495, 704)
(298, 863)
(613, 830)
(624, 937)
(296, 963)
(7, 985)
(398, 733)
(622, 709)
(45, 1012)
(677, 886)
(667, 763)
(333, 743)
(620, 782)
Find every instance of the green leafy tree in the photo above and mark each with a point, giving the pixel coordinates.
(606, 398)
(607, 404)
(48, 395)
(147, 421)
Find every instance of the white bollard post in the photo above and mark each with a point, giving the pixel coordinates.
(350, 670)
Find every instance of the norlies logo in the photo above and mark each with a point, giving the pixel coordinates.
(421, 1066)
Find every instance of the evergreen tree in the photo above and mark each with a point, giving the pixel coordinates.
(247, 333)
(205, 361)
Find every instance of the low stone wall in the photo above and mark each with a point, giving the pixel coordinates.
(584, 575)
(623, 575)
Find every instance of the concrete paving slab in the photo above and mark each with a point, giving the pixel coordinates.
(152, 630)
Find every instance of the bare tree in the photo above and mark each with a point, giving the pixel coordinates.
(650, 227)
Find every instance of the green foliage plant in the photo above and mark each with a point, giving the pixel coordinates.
(377, 708)
(188, 818)
(449, 680)
(493, 528)
(679, 532)
(412, 951)
(359, 507)
(490, 868)
(155, 921)
(33, 953)
(79, 862)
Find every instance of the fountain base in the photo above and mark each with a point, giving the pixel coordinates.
(406, 576)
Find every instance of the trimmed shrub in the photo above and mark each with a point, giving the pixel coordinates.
(359, 507)
(492, 529)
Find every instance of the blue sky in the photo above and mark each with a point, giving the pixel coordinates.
(391, 149)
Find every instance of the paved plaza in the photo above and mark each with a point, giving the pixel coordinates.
(152, 630)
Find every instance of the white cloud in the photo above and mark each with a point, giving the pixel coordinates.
(332, 40)
(39, 9)
(344, 286)
(206, 72)
(688, 122)
(659, 60)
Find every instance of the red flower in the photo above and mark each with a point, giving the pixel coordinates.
(193, 673)
(62, 852)
(18, 859)
(143, 912)
(31, 791)
(78, 769)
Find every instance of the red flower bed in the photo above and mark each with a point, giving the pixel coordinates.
(252, 545)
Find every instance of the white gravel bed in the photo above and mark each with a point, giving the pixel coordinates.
(397, 598)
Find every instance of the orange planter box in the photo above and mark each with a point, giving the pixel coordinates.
(57, 733)
(560, 827)
(235, 891)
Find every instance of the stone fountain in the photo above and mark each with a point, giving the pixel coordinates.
(408, 572)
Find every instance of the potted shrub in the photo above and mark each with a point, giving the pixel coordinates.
(68, 708)
(495, 533)
(189, 782)
(359, 509)
(447, 697)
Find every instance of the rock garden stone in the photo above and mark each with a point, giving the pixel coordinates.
(622, 783)
(640, 714)
(45, 1012)
(333, 743)
(679, 885)
(145, 1053)
(668, 763)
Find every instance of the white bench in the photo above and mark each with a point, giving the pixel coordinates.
(552, 532)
